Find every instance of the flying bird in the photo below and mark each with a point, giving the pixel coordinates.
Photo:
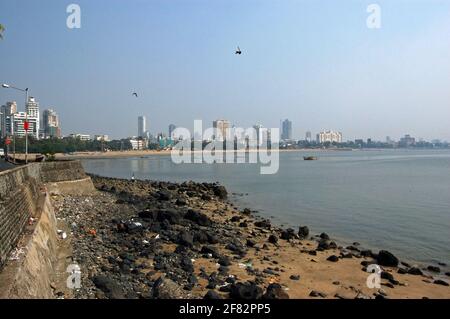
(135, 94)
(238, 51)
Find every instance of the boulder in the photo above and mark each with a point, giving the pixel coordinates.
(211, 294)
(294, 277)
(164, 288)
(185, 239)
(415, 271)
(434, 269)
(247, 291)
(110, 287)
(287, 234)
(273, 239)
(221, 192)
(275, 291)
(303, 232)
(324, 236)
(198, 218)
(333, 258)
(440, 282)
(386, 258)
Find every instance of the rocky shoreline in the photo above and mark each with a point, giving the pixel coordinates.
(145, 239)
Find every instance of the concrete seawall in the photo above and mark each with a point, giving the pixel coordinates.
(30, 254)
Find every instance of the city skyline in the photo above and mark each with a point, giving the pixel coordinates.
(377, 82)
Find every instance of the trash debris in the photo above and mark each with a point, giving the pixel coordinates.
(92, 232)
(15, 254)
(157, 236)
(63, 235)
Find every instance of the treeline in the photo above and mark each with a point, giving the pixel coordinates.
(66, 145)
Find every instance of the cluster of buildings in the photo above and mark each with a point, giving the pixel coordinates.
(14, 122)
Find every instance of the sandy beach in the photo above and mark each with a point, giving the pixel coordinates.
(147, 239)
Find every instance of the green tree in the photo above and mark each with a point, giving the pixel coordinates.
(2, 29)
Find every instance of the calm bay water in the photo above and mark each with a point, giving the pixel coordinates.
(392, 199)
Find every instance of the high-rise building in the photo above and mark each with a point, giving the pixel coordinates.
(407, 141)
(50, 123)
(172, 128)
(329, 137)
(142, 126)
(32, 111)
(308, 137)
(286, 130)
(221, 129)
(6, 112)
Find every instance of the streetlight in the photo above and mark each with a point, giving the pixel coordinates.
(25, 125)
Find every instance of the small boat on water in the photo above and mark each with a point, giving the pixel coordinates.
(310, 158)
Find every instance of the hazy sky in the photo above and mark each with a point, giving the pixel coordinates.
(314, 62)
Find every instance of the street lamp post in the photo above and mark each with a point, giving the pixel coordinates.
(7, 86)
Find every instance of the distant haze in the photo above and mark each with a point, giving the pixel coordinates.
(313, 62)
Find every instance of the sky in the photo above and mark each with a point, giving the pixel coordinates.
(313, 62)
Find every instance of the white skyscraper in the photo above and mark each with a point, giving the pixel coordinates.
(32, 110)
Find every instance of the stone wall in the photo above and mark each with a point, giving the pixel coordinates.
(20, 189)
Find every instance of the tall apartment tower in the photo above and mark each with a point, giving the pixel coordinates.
(221, 128)
(142, 126)
(286, 130)
(6, 113)
(32, 111)
(50, 123)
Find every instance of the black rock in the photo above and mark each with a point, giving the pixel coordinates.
(385, 258)
(366, 253)
(198, 218)
(315, 293)
(165, 288)
(210, 250)
(402, 271)
(275, 291)
(287, 234)
(164, 195)
(221, 192)
(440, 282)
(109, 286)
(248, 291)
(235, 219)
(186, 239)
(246, 211)
(415, 271)
(294, 277)
(324, 236)
(273, 239)
(325, 244)
(303, 232)
(181, 202)
(250, 243)
(211, 294)
(389, 276)
(186, 264)
(333, 258)
(263, 224)
(224, 261)
(434, 269)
